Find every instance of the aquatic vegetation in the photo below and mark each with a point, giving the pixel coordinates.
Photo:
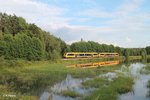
(95, 83)
(148, 67)
(145, 70)
(123, 84)
(70, 93)
(110, 91)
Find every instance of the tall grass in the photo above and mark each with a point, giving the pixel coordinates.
(109, 90)
(69, 93)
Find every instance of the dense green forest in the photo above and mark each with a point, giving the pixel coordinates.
(18, 39)
(21, 40)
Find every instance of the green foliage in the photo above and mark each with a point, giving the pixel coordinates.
(148, 50)
(126, 53)
(54, 55)
(21, 46)
(2, 61)
(2, 48)
(91, 46)
(143, 53)
(19, 39)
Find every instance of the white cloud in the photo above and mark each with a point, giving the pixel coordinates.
(129, 40)
(34, 12)
(129, 6)
(82, 20)
(96, 12)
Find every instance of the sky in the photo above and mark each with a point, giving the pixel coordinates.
(124, 23)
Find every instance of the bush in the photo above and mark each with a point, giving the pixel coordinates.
(2, 61)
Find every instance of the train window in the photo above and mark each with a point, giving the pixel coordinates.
(87, 54)
(70, 54)
(81, 55)
(101, 54)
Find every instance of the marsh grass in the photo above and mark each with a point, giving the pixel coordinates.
(70, 93)
(95, 83)
(7, 94)
(111, 90)
(145, 70)
(148, 67)
(18, 97)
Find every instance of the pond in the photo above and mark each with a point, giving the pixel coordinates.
(139, 91)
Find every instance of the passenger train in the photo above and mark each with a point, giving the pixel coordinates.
(89, 55)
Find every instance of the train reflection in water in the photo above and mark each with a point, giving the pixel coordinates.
(95, 64)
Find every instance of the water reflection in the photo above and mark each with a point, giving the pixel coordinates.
(72, 84)
(95, 64)
(140, 83)
(69, 84)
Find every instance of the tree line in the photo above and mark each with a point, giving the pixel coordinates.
(90, 46)
(21, 40)
(18, 39)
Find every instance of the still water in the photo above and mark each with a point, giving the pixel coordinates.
(132, 69)
(140, 84)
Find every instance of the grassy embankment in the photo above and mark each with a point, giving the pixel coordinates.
(31, 78)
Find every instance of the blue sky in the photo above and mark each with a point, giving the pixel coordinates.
(124, 23)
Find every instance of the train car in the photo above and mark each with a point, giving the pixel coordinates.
(108, 54)
(70, 55)
(81, 54)
(89, 55)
